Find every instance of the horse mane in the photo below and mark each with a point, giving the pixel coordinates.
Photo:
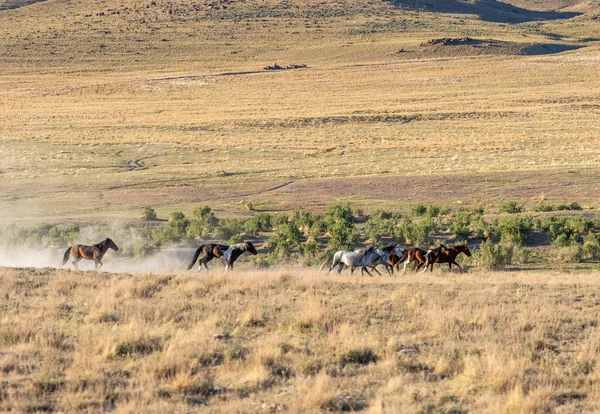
(389, 248)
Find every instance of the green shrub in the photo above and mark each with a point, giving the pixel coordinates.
(148, 213)
(257, 224)
(458, 224)
(417, 210)
(543, 207)
(382, 224)
(340, 226)
(493, 256)
(229, 228)
(418, 233)
(591, 246)
(286, 240)
(480, 228)
(204, 222)
(528, 256)
(513, 229)
(511, 207)
(565, 231)
(566, 254)
(342, 236)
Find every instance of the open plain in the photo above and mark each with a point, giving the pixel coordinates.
(110, 106)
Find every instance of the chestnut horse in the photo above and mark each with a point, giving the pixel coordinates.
(419, 256)
(229, 253)
(95, 253)
(448, 255)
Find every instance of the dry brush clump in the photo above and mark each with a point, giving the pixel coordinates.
(298, 341)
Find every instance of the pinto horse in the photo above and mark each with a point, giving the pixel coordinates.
(95, 253)
(229, 253)
(448, 255)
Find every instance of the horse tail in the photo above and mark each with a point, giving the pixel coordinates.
(66, 256)
(404, 256)
(323, 264)
(198, 250)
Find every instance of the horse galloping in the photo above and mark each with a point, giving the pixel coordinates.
(389, 254)
(420, 256)
(448, 255)
(229, 253)
(362, 258)
(95, 253)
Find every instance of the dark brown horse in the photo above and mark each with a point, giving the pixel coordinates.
(448, 255)
(229, 253)
(95, 253)
(419, 256)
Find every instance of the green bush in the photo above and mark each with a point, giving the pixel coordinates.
(340, 226)
(528, 256)
(543, 207)
(204, 222)
(418, 233)
(591, 246)
(458, 223)
(342, 237)
(228, 228)
(565, 231)
(511, 207)
(513, 229)
(566, 254)
(382, 224)
(286, 240)
(148, 213)
(258, 224)
(417, 210)
(493, 256)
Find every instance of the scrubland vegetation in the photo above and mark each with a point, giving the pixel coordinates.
(512, 237)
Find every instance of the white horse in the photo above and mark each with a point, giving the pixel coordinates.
(362, 258)
(387, 252)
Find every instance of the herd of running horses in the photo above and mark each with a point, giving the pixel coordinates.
(366, 258)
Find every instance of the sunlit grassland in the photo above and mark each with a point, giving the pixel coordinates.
(255, 341)
(111, 113)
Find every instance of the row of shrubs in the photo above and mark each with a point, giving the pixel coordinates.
(308, 237)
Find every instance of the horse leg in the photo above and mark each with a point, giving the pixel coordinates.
(352, 270)
(375, 269)
(202, 262)
(367, 270)
(459, 268)
(75, 263)
(406, 264)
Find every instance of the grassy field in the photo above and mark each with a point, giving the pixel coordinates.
(293, 340)
(111, 106)
(108, 106)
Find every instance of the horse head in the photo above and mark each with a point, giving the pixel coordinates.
(111, 244)
(463, 248)
(398, 251)
(250, 248)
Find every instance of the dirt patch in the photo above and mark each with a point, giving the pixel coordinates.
(466, 46)
(444, 189)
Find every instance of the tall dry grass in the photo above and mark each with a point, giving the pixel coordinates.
(298, 341)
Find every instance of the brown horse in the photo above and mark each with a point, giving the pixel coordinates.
(229, 253)
(419, 256)
(95, 253)
(448, 255)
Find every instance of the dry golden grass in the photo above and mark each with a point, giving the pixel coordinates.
(297, 340)
(115, 111)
